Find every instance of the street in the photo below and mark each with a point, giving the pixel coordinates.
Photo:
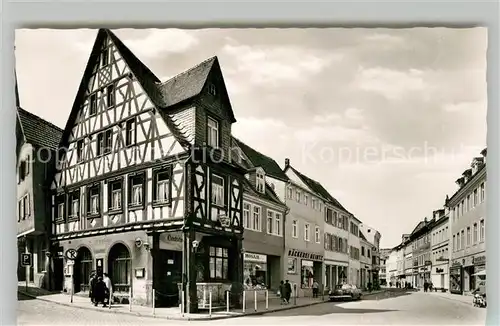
(395, 307)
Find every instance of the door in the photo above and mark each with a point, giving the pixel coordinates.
(168, 274)
(58, 274)
(442, 281)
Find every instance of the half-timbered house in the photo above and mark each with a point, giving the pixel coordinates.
(264, 216)
(145, 188)
(36, 144)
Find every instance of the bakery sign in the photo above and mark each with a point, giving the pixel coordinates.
(304, 255)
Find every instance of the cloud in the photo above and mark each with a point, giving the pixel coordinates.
(335, 133)
(160, 42)
(383, 38)
(390, 83)
(273, 65)
(464, 107)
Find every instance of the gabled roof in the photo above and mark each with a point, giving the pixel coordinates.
(144, 76)
(316, 187)
(37, 131)
(362, 236)
(269, 194)
(260, 160)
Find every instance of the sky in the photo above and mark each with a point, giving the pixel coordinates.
(385, 119)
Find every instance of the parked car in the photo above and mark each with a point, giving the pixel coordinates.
(345, 292)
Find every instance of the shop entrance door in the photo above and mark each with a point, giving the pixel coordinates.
(442, 281)
(167, 275)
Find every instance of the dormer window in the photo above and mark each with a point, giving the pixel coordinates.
(212, 90)
(213, 133)
(260, 182)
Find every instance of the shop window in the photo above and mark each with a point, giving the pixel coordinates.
(84, 268)
(292, 266)
(219, 263)
(254, 274)
(307, 273)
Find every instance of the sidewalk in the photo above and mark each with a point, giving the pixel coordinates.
(466, 298)
(171, 313)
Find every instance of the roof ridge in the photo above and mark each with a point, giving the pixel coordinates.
(269, 157)
(49, 124)
(188, 70)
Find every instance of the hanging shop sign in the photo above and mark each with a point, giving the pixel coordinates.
(304, 255)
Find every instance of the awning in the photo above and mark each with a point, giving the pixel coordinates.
(481, 273)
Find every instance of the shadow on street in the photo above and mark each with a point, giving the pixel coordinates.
(32, 291)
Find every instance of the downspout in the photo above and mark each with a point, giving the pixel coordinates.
(185, 245)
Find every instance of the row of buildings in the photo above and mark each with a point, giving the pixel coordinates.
(449, 248)
(147, 183)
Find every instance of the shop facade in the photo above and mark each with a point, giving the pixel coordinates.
(335, 273)
(303, 268)
(440, 276)
(462, 278)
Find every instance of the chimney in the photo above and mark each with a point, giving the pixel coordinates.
(287, 162)
(467, 174)
(425, 220)
(446, 201)
(460, 182)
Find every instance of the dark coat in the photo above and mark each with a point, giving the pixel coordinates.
(99, 291)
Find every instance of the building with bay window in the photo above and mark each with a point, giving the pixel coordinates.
(468, 224)
(264, 215)
(145, 188)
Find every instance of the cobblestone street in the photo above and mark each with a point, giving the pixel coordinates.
(394, 307)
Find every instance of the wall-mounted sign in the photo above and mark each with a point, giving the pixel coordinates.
(171, 241)
(304, 255)
(248, 256)
(26, 260)
(439, 270)
(139, 272)
(428, 262)
(479, 260)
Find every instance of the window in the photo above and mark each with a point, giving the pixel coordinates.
(297, 194)
(475, 233)
(162, 186)
(260, 182)
(306, 198)
(468, 236)
(79, 151)
(270, 222)
(22, 171)
(481, 234)
(105, 57)
(295, 228)
(130, 132)
(110, 95)
(246, 216)
(368, 251)
(290, 193)
(328, 216)
(217, 190)
(115, 195)
(212, 89)
(475, 201)
(119, 267)
(306, 232)
(100, 144)
(213, 133)
(219, 263)
(334, 220)
(256, 218)
(93, 104)
(483, 194)
(136, 190)
(363, 251)
(277, 223)
(462, 239)
(317, 235)
(60, 211)
(313, 203)
(327, 241)
(93, 200)
(23, 206)
(108, 146)
(74, 201)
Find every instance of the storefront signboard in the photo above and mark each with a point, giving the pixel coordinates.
(255, 257)
(304, 255)
(479, 260)
(171, 241)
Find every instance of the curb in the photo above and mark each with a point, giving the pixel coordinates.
(254, 313)
(454, 300)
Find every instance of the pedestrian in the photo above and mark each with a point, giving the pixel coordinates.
(92, 281)
(288, 291)
(99, 292)
(426, 285)
(281, 293)
(109, 287)
(315, 288)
